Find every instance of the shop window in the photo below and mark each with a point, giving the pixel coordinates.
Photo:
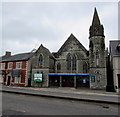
(18, 80)
(40, 60)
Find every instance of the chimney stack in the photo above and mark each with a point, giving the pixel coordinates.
(8, 53)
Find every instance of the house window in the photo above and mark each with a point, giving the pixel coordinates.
(58, 66)
(10, 65)
(2, 66)
(18, 65)
(40, 60)
(74, 62)
(69, 65)
(118, 47)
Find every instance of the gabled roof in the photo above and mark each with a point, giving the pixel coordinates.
(18, 57)
(47, 50)
(68, 41)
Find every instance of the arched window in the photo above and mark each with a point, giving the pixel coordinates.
(74, 62)
(97, 58)
(69, 65)
(85, 67)
(58, 66)
(40, 60)
(97, 54)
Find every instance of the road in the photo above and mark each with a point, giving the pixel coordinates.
(14, 104)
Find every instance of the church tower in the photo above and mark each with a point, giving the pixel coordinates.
(97, 57)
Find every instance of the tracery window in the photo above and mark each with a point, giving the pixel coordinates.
(71, 62)
(74, 62)
(69, 65)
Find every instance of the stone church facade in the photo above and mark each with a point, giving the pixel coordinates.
(73, 65)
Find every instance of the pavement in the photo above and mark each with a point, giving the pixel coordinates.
(98, 96)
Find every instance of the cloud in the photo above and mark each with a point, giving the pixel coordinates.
(27, 25)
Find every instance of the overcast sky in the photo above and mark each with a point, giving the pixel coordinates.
(25, 25)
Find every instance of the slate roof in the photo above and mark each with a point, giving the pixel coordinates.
(115, 47)
(96, 20)
(4, 57)
(18, 57)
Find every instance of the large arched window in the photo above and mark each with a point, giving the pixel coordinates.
(85, 67)
(69, 65)
(40, 60)
(74, 62)
(58, 66)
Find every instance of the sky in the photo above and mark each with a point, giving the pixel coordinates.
(27, 25)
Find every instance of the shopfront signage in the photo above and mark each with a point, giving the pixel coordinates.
(38, 77)
(92, 78)
(15, 73)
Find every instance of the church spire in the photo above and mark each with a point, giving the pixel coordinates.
(96, 29)
(96, 20)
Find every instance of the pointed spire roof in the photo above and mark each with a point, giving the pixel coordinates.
(96, 20)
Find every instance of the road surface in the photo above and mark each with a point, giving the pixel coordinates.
(14, 104)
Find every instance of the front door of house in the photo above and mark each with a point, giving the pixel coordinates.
(8, 81)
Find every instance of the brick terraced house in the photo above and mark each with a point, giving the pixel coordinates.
(14, 69)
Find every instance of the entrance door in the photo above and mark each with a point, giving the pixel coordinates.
(68, 81)
(54, 81)
(29, 82)
(118, 80)
(8, 81)
(83, 81)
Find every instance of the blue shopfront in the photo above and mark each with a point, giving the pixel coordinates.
(69, 80)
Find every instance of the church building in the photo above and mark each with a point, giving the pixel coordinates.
(73, 65)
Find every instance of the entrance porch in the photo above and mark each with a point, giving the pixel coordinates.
(69, 80)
